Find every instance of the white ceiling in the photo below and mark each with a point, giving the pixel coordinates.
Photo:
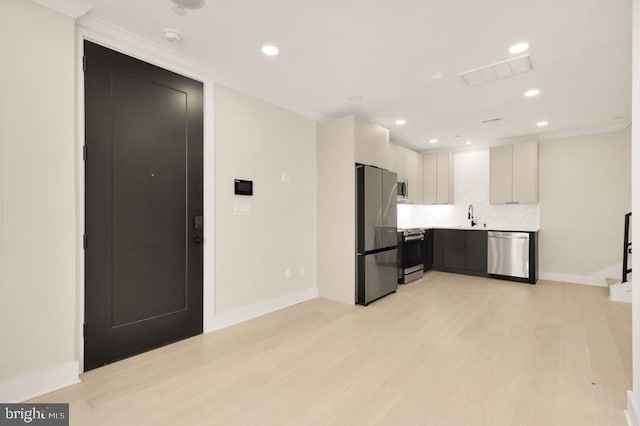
(386, 51)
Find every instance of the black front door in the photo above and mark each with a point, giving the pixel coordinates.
(143, 183)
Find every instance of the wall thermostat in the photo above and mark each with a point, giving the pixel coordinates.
(243, 187)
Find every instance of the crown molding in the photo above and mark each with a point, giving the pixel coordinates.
(573, 133)
(72, 8)
(585, 131)
(166, 56)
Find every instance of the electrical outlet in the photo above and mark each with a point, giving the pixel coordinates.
(287, 274)
(301, 270)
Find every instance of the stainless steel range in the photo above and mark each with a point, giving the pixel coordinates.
(410, 255)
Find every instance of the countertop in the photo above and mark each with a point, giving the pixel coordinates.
(479, 228)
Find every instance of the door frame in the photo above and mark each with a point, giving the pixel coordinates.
(121, 41)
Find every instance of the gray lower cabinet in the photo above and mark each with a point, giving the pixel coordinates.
(427, 250)
(439, 237)
(454, 254)
(460, 251)
(475, 252)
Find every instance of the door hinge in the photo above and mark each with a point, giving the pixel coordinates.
(84, 63)
(84, 330)
(84, 241)
(84, 152)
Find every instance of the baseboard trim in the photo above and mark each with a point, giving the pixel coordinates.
(574, 279)
(631, 413)
(597, 278)
(621, 292)
(245, 313)
(28, 386)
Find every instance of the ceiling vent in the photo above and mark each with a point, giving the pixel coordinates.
(498, 71)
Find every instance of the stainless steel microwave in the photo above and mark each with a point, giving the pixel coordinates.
(403, 191)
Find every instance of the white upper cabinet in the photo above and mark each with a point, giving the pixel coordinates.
(415, 177)
(372, 144)
(393, 153)
(444, 185)
(525, 173)
(408, 165)
(401, 162)
(437, 178)
(430, 179)
(514, 174)
(501, 174)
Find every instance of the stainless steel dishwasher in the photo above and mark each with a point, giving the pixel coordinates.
(508, 254)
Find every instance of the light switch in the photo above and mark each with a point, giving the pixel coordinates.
(241, 209)
(286, 177)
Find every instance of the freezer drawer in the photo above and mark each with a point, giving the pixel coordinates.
(377, 275)
(508, 254)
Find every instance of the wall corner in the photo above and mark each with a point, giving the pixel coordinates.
(73, 8)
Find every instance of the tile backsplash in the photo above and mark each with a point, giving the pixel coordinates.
(470, 186)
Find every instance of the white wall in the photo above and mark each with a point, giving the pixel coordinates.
(336, 210)
(470, 186)
(37, 204)
(372, 144)
(258, 141)
(633, 397)
(585, 191)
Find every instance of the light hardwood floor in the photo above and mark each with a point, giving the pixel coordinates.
(445, 350)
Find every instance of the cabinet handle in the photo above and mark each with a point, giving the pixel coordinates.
(504, 237)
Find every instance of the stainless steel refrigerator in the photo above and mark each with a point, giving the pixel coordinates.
(376, 233)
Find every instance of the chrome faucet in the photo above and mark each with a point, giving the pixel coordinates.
(470, 215)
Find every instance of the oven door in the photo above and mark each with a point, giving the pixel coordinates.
(412, 253)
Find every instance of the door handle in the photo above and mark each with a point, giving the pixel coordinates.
(197, 240)
(508, 238)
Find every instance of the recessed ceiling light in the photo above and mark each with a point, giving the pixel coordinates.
(467, 143)
(542, 123)
(532, 93)
(270, 50)
(173, 36)
(437, 76)
(355, 98)
(401, 122)
(189, 4)
(519, 48)
(433, 141)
